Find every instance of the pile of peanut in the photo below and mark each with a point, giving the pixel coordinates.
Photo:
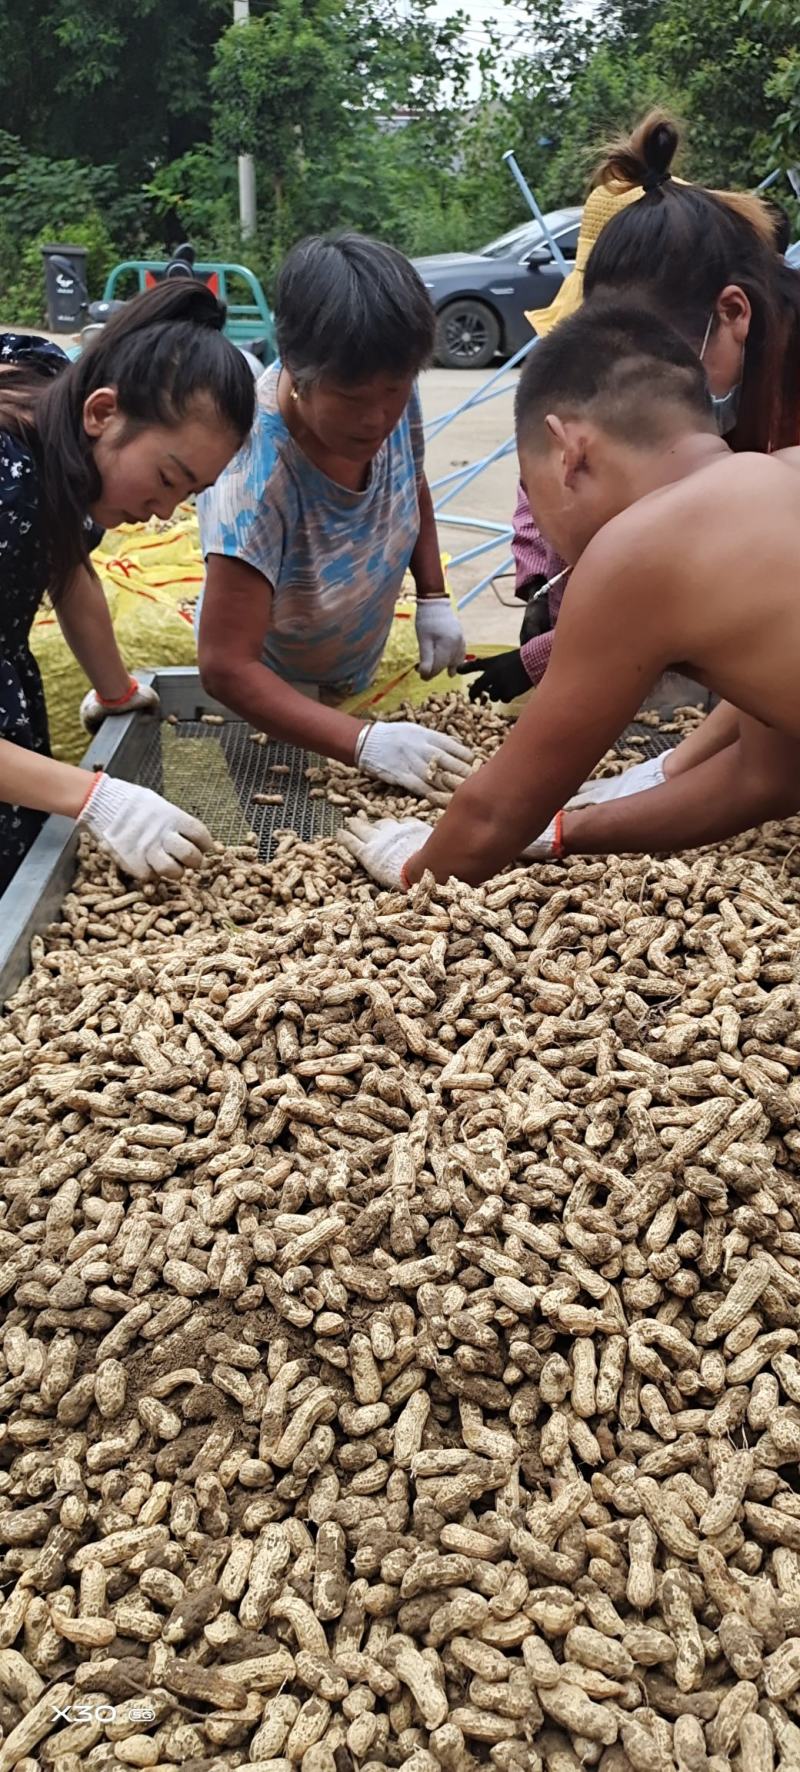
(399, 1364)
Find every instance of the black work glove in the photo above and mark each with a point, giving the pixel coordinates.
(502, 677)
(536, 620)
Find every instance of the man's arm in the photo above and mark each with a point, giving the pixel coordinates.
(743, 785)
(237, 608)
(426, 561)
(719, 729)
(610, 646)
(85, 622)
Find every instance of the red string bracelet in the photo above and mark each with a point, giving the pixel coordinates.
(121, 700)
(558, 837)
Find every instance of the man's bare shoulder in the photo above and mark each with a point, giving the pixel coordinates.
(726, 495)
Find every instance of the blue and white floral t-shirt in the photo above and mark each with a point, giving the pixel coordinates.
(335, 559)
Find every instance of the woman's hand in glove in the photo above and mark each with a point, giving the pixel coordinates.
(502, 677)
(410, 756)
(440, 637)
(139, 699)
(145, 834)
(383, 848)
(636, 780)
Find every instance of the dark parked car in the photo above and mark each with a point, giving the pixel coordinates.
(481, 297)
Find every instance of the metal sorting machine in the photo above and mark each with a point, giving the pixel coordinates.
(204, 758)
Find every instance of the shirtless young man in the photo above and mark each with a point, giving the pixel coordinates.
(629, 478)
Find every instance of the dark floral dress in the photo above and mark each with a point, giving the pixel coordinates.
(23, 582)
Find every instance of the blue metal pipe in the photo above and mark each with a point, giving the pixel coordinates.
(480, 393)
(489, 579)
(458, 522)
(497, 454)
(483, 547)
(511, 163)
(482, 399)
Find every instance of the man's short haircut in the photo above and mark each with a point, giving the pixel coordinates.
(617, 364)
(348, 308)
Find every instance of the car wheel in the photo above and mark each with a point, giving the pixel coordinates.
(467, 335)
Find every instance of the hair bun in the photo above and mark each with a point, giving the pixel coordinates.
(642, 158)
(183, 298)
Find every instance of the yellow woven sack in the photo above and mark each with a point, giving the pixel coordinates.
(151, 580)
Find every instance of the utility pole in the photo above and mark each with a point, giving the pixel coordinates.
(247, 170)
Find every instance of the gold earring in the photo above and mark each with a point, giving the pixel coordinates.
(294, 394)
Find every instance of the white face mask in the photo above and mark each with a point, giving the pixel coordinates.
(725, 407)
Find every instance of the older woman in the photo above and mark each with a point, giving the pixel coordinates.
(310, 531)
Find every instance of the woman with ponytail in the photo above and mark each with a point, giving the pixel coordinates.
(152, 411)
(708, 263)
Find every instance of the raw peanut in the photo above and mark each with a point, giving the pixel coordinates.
(414, 1672)
(756, 1743)
(782, 1670)
(676, 1604)
(37, 1723)
(570, 1707)
(690, 1745)
(642, 1747)
(483, 1725)
(18, 1680)
(642, 1545)
(741, 1645)
(649, 1647)
(265, 1576)
(594, 1649)
(729, 1494)
(723, 1732)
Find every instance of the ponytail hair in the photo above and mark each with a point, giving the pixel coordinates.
(679, 247)
(161, 352)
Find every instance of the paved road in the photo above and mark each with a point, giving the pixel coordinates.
(492, 495)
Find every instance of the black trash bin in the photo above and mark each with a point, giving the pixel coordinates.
(65, 278)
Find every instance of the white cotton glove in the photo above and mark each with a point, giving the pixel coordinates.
(636, 780)
(440, 637)
(137, 700)
(542, 848)
(409, 756)
(382, 848)
(146, 835)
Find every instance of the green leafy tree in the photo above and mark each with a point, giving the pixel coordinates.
(109, 80)
(312, 89)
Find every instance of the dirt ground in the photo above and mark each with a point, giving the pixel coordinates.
(492, 495)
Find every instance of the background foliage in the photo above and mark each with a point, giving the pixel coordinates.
(122, 119)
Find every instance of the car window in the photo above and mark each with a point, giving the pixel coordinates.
(569, 241)
(512, 244)
(524, 238)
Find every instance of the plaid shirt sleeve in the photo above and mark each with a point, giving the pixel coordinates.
(528, 547)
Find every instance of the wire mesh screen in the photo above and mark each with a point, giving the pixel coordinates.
(648, 741)
(214, 772)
